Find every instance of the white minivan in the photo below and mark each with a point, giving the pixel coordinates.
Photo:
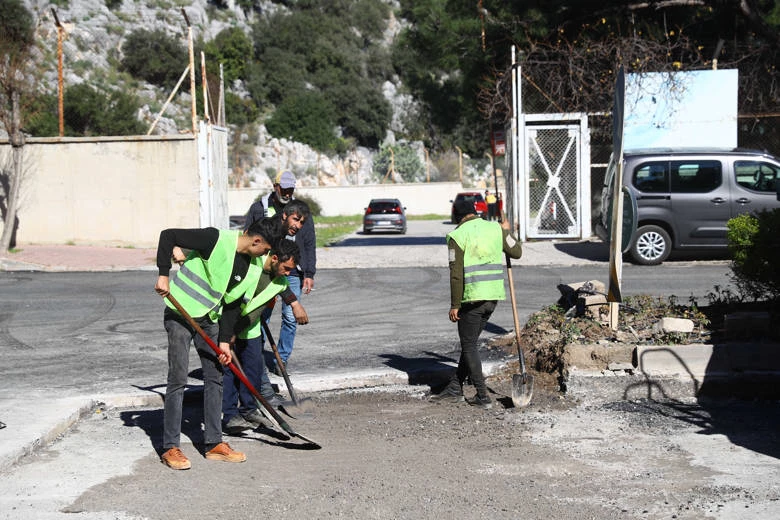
(685, 197)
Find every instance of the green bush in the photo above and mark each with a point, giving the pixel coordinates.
(314, 206)
(754, 244)
(306, 118)
(89, 112)
(405, 162)
(154, 56)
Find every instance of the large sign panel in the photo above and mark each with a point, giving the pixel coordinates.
(681, 109)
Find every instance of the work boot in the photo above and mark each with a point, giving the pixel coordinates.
(481, 401)
(225, 453)
(175, 459)
(256, 419)
(448, 395)
(236, 425)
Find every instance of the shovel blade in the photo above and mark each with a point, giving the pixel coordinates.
(522, 389)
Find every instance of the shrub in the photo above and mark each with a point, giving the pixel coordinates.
(405, 162)
(90, 112)
(754, 244)
(314, 206)
(154, 56)
(306, 118)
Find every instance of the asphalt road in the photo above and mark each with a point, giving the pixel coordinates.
(67, 331)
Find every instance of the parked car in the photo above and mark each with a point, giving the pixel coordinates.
(685, 197)
(384, 215)
(480, 206)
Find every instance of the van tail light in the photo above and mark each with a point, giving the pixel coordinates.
(368, 210)
(397, 210)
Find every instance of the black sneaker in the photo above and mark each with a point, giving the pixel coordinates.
(274, 400)
(483, 402)
(236, 425)
(448, 395)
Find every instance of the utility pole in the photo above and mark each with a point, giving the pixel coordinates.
(60, 103)
(192, 72)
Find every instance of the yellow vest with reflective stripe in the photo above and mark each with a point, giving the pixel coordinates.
(256, 302)
(200, 284)
(483, 268)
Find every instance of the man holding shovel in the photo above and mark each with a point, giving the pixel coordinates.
(241, 321)
(215, 271)
(476, 253)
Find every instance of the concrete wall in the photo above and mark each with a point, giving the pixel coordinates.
(112, 191)
(418, 198)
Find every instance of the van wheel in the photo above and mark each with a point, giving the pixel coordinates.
(651, 246)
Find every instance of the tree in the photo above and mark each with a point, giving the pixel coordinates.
(454, 57)
(17, 44)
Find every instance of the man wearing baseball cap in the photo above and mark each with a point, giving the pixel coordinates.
(301, 279)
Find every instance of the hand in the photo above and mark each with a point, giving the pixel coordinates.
(225, 357)
(308, 285)
(178, 255)
(504, 223)
(162, 287)
(299, 312)
(454, 315)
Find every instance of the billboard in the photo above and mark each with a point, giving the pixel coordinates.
(681, 109)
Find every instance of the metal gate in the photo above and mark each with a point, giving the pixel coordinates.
(213, 165)
(550, 184)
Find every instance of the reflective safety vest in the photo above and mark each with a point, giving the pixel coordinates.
(256, 302)
(483, 268)
(200, 284)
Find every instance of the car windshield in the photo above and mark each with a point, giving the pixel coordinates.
(383, 207)
(473, 198)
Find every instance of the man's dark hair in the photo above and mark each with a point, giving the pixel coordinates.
(297, 207)
(286, 249)
(268, 228)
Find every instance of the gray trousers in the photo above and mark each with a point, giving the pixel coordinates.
(180, 336)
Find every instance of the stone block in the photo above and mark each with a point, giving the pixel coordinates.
(672, 325)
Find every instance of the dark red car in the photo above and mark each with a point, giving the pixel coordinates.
(480, 206)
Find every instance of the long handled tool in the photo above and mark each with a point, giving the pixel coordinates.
(240, 374)
(522, 383)
(280, 363)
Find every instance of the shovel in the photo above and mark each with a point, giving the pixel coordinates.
(301, 405)
(240, 374)
(522, 383)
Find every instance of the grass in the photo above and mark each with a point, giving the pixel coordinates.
(332, 229)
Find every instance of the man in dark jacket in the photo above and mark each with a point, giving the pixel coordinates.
(297, 219)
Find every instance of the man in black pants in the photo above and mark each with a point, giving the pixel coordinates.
(476, 257)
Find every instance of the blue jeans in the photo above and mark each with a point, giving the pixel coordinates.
(473, 318)
(236, 397)
(289, 325)
(180, 335)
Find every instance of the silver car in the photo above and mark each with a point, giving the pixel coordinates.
(384, 215)
(685, 197)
